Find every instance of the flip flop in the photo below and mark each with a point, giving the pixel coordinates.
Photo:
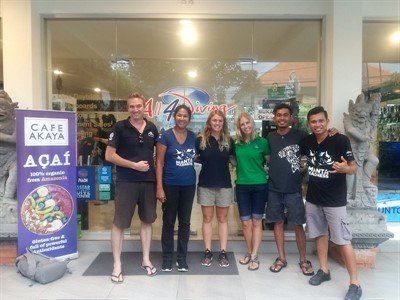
(278, 265)
(245, 259)
(150, 271)
(254, 261)
(117, 278)
(306, 267)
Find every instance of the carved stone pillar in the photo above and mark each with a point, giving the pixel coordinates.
(368, 225)
(8, 169)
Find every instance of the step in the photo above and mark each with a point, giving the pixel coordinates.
(100, 242)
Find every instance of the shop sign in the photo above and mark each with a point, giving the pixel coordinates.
(86, 183)
(104, 196)
(46, 166)
(104, 174)
(104, 187)
(264, 114)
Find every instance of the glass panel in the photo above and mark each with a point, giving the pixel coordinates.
(1, 56)
(233, 65)
(381, 73)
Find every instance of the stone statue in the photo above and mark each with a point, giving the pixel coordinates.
(360, 124)
(367, 224)
(8, 168)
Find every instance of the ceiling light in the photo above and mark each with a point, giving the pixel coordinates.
(395, 37)
(57, 72)
(192, 73)
(185, 22)
(188, 35)
(247, 61)
(97, 90)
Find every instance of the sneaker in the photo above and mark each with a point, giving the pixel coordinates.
(223, 259)
(166, 266)
(182, 266)
(319, 278)
(354, 292)
(207, 259)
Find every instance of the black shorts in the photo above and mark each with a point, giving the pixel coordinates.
(293, 203)
(127, 195)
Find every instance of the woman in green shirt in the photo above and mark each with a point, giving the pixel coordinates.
(251, 185)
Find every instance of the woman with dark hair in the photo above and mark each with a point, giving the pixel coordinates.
(215, 148)
(176, 185)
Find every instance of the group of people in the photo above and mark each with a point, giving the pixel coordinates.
(171, 179)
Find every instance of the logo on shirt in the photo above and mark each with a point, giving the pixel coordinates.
(185, 158)
(151, 134)
(290, 153)
(319, 161)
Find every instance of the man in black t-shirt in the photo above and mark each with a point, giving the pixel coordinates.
(131, 148)
(284, 188)
(329, 159)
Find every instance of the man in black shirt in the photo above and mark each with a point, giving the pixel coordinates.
(329, 159)
(131, 148)
(284, 188)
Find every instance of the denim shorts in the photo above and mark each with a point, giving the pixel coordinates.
(293, 202)
(330, 221)
(251, 199)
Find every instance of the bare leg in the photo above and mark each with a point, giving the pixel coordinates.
(222, 217)
(146, 231)
(117, 237)
(350, 260)
(300, 241)
(279, 239)
(322, 252)
(257, 236)
(208, 214)
(248, 234)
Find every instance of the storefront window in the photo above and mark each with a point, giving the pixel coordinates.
(232, 65)
(381, 74)
(1, 57)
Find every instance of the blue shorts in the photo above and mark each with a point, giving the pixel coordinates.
(293, 202)
(251, 200)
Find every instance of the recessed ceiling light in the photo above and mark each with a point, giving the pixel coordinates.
(192, 73)
(189, 35)
(185, 22)
(395, 37)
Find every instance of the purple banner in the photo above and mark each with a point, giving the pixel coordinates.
(46, 166)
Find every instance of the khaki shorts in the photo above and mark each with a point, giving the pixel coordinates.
(127, 195)
(330, 221)
(221, 197)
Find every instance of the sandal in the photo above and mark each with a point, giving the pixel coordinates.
(117, 278)
(246, 259)
(254, 261)
(306, 267)
(278, 265)
(150, 271)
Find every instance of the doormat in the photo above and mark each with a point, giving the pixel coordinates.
(102, 265)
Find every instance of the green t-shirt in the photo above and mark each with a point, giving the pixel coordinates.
(250, 161)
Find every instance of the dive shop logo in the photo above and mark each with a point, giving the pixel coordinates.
(46, 132)
(195, 98)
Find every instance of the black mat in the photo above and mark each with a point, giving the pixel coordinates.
(103, 263)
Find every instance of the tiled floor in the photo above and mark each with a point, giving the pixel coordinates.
(382, 282)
